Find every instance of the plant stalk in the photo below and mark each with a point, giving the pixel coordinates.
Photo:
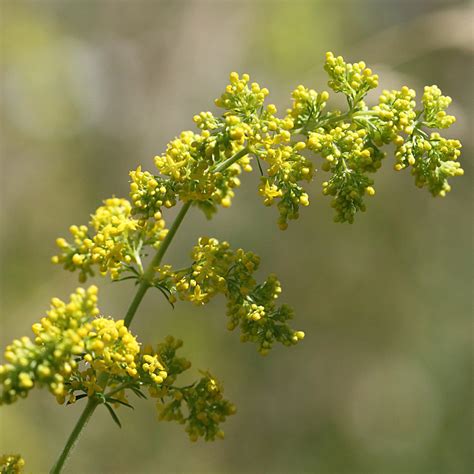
(149, 272)
(74, 436)
(230, 161)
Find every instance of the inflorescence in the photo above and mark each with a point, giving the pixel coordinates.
(218, 269)
(74, 345)
(11, 464)
(77, 353)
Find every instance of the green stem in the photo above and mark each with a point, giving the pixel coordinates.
(145, 283)
(337, 118)
(230, 161)
(150, 271)
(74, 436)
(91, 405)
(351, 114)
(117, 389)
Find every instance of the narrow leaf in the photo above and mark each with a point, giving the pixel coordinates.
(113, 415)
(131, 277)
(121, 402)
(138, 393)
(78, 397)
(259, 166)
(165, 295)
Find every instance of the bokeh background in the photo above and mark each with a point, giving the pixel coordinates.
(381, 385)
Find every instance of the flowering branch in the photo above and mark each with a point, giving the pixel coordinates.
(78, 353)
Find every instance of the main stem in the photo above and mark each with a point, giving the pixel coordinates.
(149, 272)
(145, 283)
(73, 437)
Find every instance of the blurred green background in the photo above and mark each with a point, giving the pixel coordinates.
(382, 382)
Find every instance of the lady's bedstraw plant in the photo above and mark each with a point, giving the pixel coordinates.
(77, 353)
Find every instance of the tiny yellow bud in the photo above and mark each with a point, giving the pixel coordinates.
(77, 259)
(61, 243)
(234, 77)
(304, 200)
(300, 335)
(25, 380)
(271, 108)
(226, 202)
(370, 191)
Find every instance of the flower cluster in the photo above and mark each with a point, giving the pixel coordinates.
(307, 107)
(199, 406)
(269, 139)
(189, 163)
(216, 268)
(286, 169)
(354, 80)
(166, 352)
(111, 348)
(349, 155)
(350, 142)
(205, 167)
(432, 158)
(149, 194)
(11, 464)
(195, 162)
(73, 345)
(396, 111)
(434, 108)
(205, 409)
(116, 243)
(51, 358)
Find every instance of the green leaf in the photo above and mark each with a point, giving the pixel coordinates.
(113, 415)
(78, 397)
(165, 294)
(138, 393)
(121, 402)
